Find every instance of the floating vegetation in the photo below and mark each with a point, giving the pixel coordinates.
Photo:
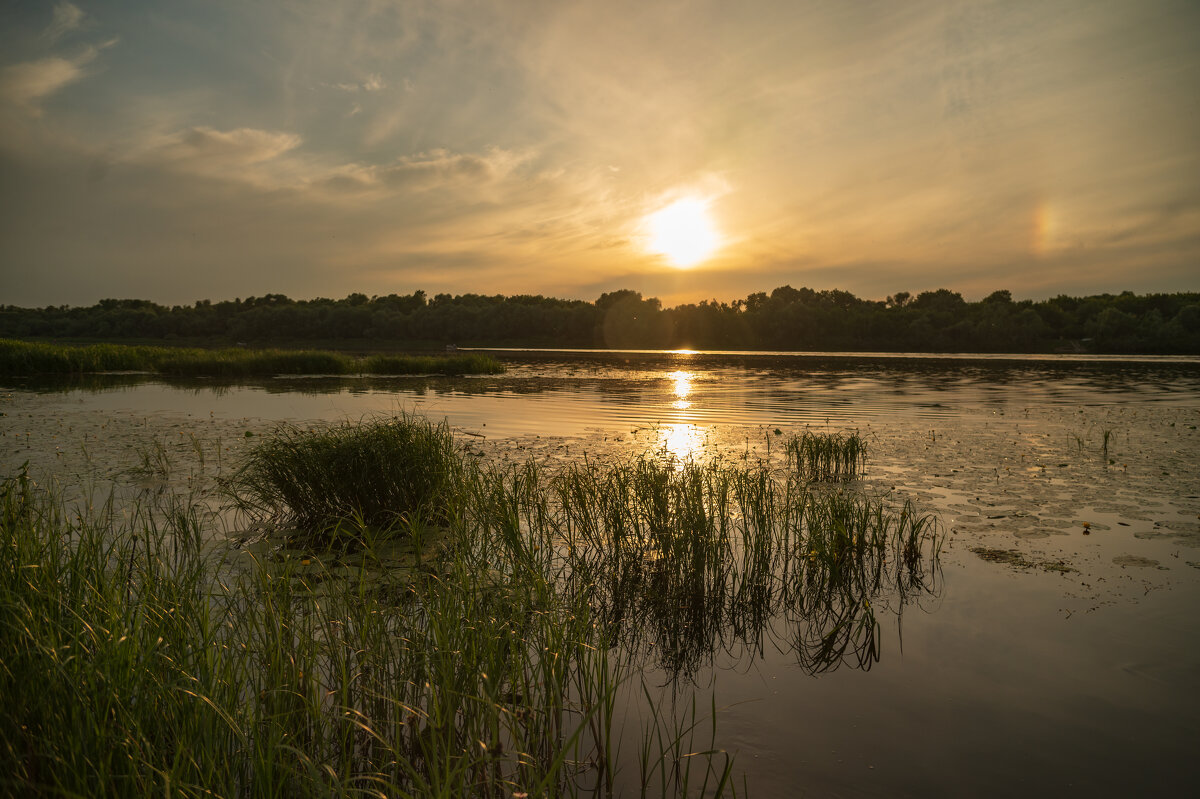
(825, 456)
(1011, 557)
(33, 358)
(484, 637)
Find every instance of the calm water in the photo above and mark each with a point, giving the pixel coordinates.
(1001, 681)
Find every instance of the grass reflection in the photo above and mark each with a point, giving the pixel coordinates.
(683, 564)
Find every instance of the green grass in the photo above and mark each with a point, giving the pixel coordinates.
(377, 473)
(822, 456)
(685, 562)
(21, 358)
(486, 635)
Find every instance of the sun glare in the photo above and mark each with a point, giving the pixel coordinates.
(683, 232)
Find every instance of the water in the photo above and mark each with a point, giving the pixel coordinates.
(1003, 681)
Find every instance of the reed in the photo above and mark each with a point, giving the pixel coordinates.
(137, 664)
(822, 456)
(482, 636)
(682, 563)
(379, 473)
(20, 358)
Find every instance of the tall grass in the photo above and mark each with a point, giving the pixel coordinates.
(377, 473)
(499, 663)
(134, 664)
(822, 456)
(685, 563)
(32, 358)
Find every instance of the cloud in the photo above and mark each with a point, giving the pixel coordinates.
(206, 148)
(372, 83)
(434, 169)
(67, 18)
(25, 85)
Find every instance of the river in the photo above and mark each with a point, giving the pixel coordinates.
(1059, 653)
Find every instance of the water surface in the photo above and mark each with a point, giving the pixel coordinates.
(1003, 680)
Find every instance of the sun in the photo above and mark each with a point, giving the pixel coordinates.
(683, 232)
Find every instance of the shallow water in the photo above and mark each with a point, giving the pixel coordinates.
(1008, 679)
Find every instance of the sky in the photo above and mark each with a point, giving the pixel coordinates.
(177, 150)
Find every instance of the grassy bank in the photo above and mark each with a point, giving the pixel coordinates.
(484, 633)
(21, 358)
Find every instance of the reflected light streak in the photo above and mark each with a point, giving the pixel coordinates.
(683, 383)
(683, 441)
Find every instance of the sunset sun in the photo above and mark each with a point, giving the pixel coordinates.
(683, 232)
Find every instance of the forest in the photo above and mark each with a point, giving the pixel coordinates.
(785, 319)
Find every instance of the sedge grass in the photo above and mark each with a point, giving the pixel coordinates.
(822, 456)
(496, 663)
(137, 665)
(21, 358)
(377, 472)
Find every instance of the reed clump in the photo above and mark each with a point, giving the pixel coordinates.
(377, 473)
(826, 456)
(22, 358)
(683, 562)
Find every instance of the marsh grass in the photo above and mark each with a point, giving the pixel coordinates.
(134, 663)
(825, 456)
(378, 473)
(683, 563)
(486, 634)
(35, 358)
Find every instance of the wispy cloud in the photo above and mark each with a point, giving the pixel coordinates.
(435, 169)
(228, 148)
(67, 18)
(241, 155)
(27, 84)
(371, 83)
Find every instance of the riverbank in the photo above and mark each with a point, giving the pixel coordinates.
(23, 358)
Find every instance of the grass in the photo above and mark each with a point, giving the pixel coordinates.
(684, 563)
(821, 456)
(500, 662)
(21, 358)
(391, 470)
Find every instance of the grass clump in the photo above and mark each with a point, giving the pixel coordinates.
(685, 562)
(136, 663)
(33, 358)
(376, 473)
(823, 456)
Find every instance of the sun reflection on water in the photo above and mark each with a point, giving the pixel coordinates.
(681, 441)
(682, 388)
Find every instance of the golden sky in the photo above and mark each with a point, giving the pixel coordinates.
(219, 148)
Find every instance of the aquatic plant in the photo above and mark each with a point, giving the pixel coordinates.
(136, 662)
(34, 358)
(377, 472)
(697, 560)
(485, 635)
(826, 456)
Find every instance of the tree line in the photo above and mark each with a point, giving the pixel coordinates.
(785, 319)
